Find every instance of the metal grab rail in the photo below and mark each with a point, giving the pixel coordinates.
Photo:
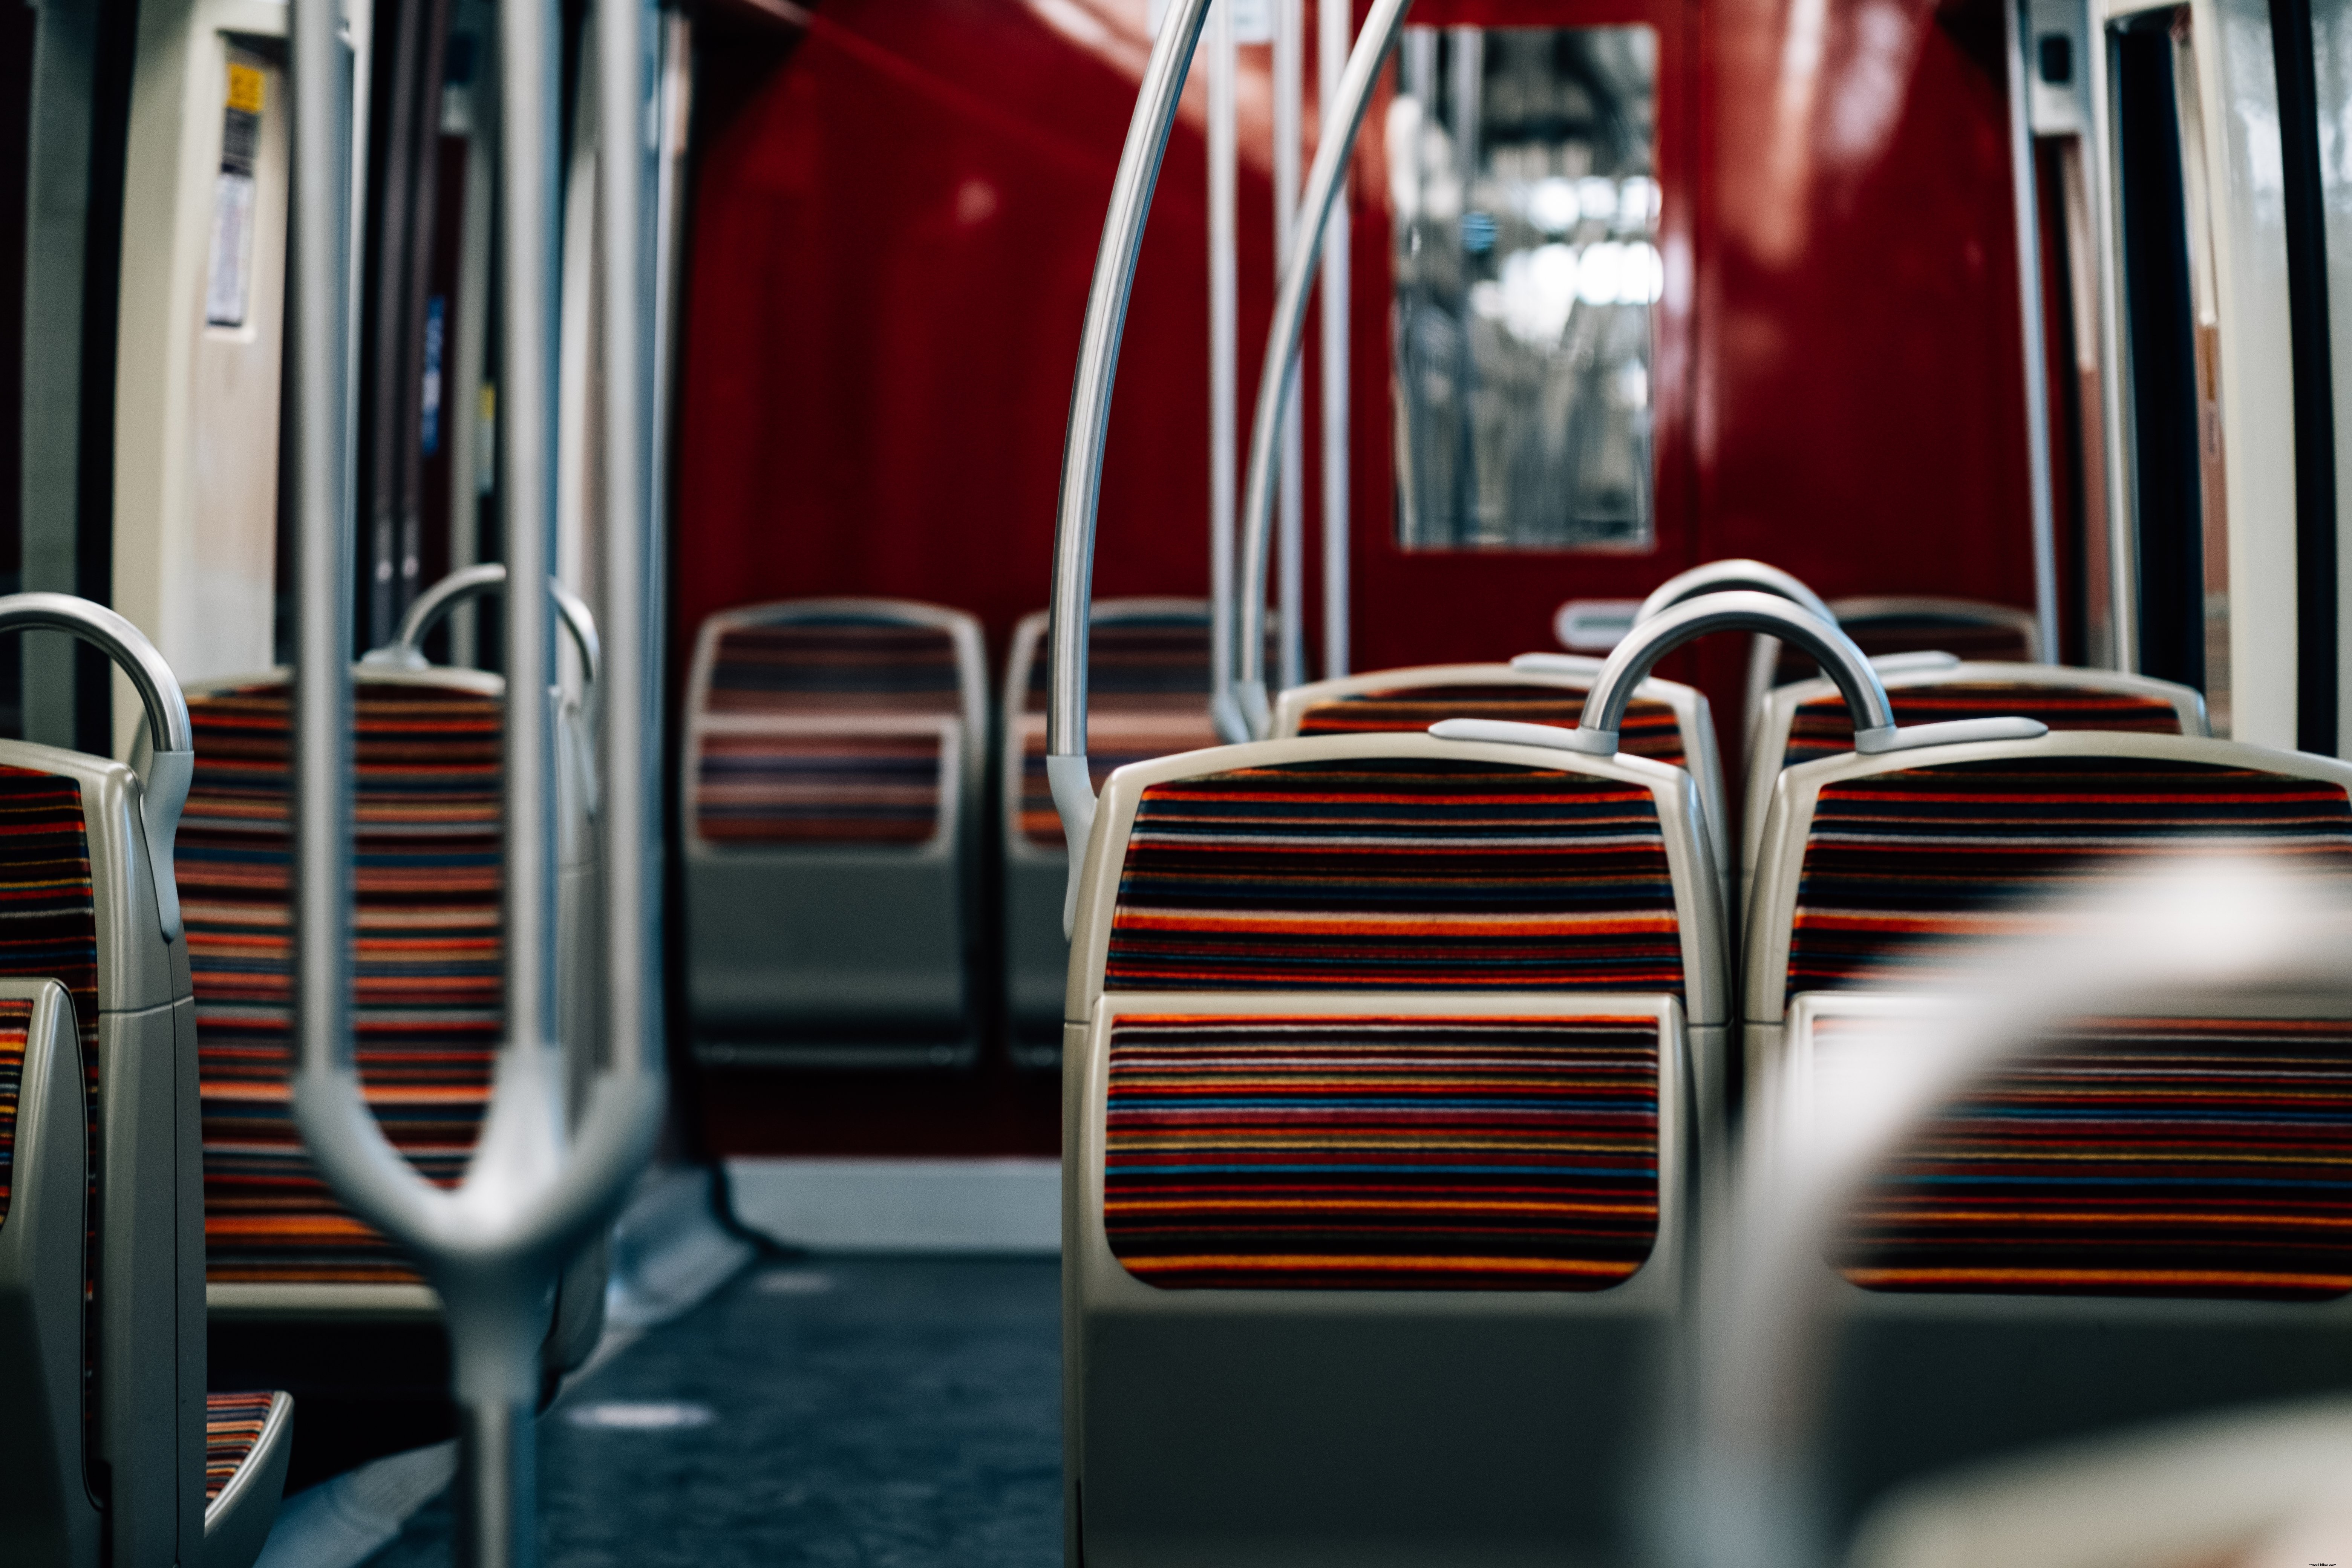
(1090, 391)
(1722, 576)
(1875, 730)
(405, 650)
(533, 1188)
(172, 755)
(1279, 379)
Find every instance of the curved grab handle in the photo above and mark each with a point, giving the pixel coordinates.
(405, 650)
(171, 762)
(1723, 576)
(1875, 728)
(1279, 384)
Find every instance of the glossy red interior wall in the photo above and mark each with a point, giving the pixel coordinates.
(892, 244)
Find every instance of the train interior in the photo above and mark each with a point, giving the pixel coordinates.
(1404, 783)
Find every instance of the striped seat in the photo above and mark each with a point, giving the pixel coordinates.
(1147, 696)
(427, 963)
(832, 771)
(2190, 1164)
(83, 916)
(1808, 721)
(1372, 1035)
(1666, 720)
(1490, 1152)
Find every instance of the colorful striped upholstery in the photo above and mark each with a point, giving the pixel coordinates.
(427, 961)
(820, 787)
(1395, 874)
(1824, 727)
(1483, 1152)
(1898, 864)
(1650, 730)
(827, 731)
(16, 1029)
(2174, 1157)
(1147, 696)
(842, 663)
(233, 1424)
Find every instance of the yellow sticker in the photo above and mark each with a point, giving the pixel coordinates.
(245, 87)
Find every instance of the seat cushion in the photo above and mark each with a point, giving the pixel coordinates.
(1650, 728)
(1824, 727)
(2203, 1157)
(1481, 1153)
(15, 1032)
(1899, 866)
(836, 664)
(819, 787)
(1969, 636)
(427, 959)
(1390, 874)
(233, 1424)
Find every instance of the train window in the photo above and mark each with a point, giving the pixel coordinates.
(1521, 169)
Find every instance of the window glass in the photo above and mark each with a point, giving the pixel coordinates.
(1526, 267)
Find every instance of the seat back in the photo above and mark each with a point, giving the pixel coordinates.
(86, 914)
(1147, 696)
(834, 761)
(52, 1513)
(1805, 720)
(1383, 1081)
(428, 964)
(1667, 719)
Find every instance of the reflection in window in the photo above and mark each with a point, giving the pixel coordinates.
(1526, 266)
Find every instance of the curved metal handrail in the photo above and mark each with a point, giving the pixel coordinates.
(534, 1188)
(1743, 1493)
(1875, 730)
(172, 756)
(1721, 576)
(405, 650)
(1278, 377)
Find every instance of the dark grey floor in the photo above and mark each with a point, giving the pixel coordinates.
(885, 1413)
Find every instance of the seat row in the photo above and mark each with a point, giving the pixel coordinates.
(1405, 1072)
(875, 869)
(147, 993)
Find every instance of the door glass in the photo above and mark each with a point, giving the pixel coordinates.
(1522, 176)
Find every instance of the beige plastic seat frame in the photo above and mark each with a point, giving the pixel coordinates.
(856, 955)
(1036, 952)
(1229, 1426)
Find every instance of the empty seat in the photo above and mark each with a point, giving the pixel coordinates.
(303, 1294)
(1378, 1156)
(2142, 1216)
(1667, 719)
(1805, 720)
(834, 758)
(87, 873)
(1147, 696)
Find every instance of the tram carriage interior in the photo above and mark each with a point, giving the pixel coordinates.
(1175, 784)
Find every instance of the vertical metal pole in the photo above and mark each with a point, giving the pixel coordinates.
(2122, 500)
(1225, 397)
(2030, 321)
(1334, 22)
(1469, 63)
(1290, 590)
